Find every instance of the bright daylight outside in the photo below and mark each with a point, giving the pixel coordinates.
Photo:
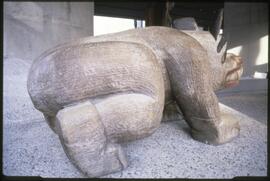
(105, 25)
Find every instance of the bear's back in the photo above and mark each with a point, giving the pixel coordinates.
(71, 74)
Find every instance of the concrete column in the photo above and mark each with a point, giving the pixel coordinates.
(33, 27)
(247, 27)
(246, 24)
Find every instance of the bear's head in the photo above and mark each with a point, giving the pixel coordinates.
(232, 70)
(225, 68)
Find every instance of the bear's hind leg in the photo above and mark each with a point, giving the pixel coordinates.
(50, 121)
(132, 116)
(84, 140)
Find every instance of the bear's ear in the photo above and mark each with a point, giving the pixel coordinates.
(221, 45)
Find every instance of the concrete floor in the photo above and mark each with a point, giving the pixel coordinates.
(253, 105)
(30, 148)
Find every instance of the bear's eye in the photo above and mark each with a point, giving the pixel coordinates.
(223, 58)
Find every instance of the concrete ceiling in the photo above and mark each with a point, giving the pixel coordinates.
(204, 13)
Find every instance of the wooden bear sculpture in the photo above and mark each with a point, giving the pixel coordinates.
(100, 91)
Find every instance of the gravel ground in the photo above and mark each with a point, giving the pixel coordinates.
(30, 148)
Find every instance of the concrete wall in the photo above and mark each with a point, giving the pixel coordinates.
(32, 27)
(247, 27)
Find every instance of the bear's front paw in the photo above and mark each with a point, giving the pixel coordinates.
(219, 133)
(228, 128)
